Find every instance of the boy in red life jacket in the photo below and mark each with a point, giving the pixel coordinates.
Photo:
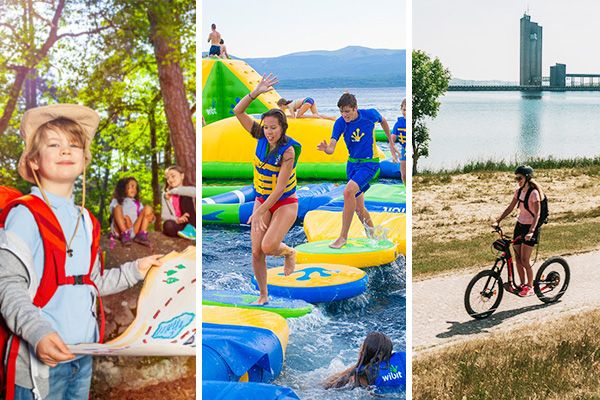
(50, 268)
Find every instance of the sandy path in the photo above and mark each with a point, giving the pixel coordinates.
(440, 319)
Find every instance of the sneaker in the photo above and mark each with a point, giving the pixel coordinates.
(526, 291)
(189, 232)
(126, 238)
(142, 238)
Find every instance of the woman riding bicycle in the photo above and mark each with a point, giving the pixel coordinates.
(528, 199)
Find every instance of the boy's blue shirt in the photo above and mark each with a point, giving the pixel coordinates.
(400, 130)
(71, 310)
(359, 135)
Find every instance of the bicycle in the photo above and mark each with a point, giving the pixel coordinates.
(484, 292)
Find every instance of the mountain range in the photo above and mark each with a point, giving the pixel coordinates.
(352, 66)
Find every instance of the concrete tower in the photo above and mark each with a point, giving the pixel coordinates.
(531, 52)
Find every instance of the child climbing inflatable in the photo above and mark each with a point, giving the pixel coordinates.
(298, 108)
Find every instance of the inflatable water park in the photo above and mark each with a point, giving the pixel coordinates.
(245, 345)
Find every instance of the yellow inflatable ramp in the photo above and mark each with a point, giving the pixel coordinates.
(326, 225)
(228, 150)
(246, 317)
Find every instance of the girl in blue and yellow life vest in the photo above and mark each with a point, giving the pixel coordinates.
(276, 206)
(376, 367)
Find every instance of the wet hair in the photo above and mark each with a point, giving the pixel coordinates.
(347, 100)
(376, 349)
(172, 168)
(120, 192)
(283, 101)
(213, 26)
(258, 132)
(71, 129)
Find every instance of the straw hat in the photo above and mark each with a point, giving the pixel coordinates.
(87, 118)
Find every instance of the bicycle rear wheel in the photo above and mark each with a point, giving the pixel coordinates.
(552, 279)
(484, 294)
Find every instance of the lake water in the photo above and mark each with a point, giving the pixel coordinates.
(480, 126)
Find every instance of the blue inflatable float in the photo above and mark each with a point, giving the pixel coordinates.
(241, 344)
(317, 283)
(230, 352)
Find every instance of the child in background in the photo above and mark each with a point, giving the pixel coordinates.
(51, 269)
(178, 205)
(376, 366)
(399, 133)
(130, 218)
(224, 53)
(298, 108)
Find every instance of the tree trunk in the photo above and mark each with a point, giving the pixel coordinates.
(31, 90)
(154, 156)
(32, 61)
(177, 109)
(13, 97)
(414, 167)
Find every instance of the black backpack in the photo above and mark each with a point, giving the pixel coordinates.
(543, 206)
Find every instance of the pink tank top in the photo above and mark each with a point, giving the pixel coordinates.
(525, 217)
(176, 205)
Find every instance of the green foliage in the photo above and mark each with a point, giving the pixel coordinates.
(430, 80)
(113, 70)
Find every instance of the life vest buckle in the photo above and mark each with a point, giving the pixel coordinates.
(78, 279)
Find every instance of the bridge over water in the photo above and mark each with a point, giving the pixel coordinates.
(519, 88)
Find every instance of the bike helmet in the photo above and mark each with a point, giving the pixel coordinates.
(524, 170)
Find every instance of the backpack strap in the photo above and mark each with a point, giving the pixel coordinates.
(53, 241)
(526, 200)
(11, 367)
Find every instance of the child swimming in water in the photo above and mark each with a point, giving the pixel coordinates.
(298, 108)
(376, 366)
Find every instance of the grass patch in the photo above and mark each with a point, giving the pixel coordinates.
(576, 233)
(557, 360)
(591, 166)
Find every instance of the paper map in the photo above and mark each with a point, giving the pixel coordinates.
(165, 324)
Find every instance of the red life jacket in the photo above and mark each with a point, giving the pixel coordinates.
(55, 253)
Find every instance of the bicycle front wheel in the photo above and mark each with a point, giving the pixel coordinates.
(552, 279)
(484, 294)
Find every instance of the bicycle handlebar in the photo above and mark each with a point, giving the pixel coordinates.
(500, 232)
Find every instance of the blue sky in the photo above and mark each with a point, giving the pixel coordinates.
(480, 39)
(281, 27)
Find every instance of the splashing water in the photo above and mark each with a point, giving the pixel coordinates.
(327, 340)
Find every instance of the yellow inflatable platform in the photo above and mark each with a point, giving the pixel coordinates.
(228, 149)
(326, 225)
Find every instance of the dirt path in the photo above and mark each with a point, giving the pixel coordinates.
(440, 319)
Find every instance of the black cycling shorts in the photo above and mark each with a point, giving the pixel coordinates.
(519, 235)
